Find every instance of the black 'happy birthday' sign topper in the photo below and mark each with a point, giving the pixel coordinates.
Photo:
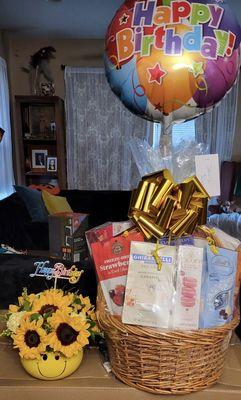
(58, 271)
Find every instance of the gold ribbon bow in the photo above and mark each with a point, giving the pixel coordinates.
(160, 207)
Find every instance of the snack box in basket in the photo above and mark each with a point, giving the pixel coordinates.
(111, 257)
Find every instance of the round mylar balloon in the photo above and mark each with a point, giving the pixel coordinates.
(172, 59)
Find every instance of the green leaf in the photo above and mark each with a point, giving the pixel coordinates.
(78, 301)
(92, 335)
(26, 306)
(35, 317)
(6, 333)
(4, 317)
(47, 315)
(47, 328)
(25, 292)
(92, 323)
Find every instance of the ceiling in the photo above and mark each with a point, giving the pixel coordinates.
(64, 18)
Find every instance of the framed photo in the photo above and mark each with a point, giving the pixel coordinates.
(39, 159)
(52, 164)
(42, 121)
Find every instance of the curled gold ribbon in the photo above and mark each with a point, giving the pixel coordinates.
(212, 239)
(156, 257)
(161, 207)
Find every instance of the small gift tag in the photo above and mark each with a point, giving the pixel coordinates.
(208, 172)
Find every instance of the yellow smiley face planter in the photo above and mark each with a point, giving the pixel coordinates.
(52, 366)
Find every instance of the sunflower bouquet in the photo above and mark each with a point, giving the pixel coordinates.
(51, 321)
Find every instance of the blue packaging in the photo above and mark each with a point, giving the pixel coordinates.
(218, 284)
(178, 241)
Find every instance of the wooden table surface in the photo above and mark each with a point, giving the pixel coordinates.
(92, 382)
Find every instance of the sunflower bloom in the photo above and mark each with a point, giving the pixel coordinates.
(29, 297)
(70, 333)
(92, 315)
(85, 305)
(30, 339)
(13, 308)
(50, 301)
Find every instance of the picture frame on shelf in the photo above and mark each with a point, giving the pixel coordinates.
(52, 164)
(39, 157)
(42, 122)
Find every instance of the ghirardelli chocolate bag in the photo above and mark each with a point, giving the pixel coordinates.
(111, 258)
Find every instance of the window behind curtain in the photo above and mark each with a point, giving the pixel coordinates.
(184, 131)
(6, 164)
(99, 130)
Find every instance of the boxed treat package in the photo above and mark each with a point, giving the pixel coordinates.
(106, 231)
(220, 279)
(149, 289)
(111, 258)
(163, 293)
(67, 236)
(218, 287)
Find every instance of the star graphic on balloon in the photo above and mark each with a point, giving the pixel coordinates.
(156, 74)
(197, 68)
(123, 20)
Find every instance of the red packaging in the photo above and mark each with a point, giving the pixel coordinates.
(106, 231)
(111, 258)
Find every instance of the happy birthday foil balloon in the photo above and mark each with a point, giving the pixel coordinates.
(172, 60)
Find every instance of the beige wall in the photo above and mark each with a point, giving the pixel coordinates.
(71, 52)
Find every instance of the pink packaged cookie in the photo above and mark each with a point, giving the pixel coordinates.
(188, 288)
(189, 292)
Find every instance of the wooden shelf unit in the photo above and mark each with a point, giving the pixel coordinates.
(40, 126)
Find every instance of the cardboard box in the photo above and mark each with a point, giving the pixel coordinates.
(67, 236)
(91, 381)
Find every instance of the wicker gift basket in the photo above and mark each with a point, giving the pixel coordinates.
(163, 361)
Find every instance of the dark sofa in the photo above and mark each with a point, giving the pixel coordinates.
(17, 229)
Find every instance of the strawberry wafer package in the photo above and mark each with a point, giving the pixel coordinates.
(111, 258)
(106, 231)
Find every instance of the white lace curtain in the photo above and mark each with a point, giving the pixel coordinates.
(6, 162)
(99, 129)
(217, 128)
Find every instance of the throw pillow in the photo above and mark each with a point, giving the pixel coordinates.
(34, 203)
(55, 204)
(48, 188)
